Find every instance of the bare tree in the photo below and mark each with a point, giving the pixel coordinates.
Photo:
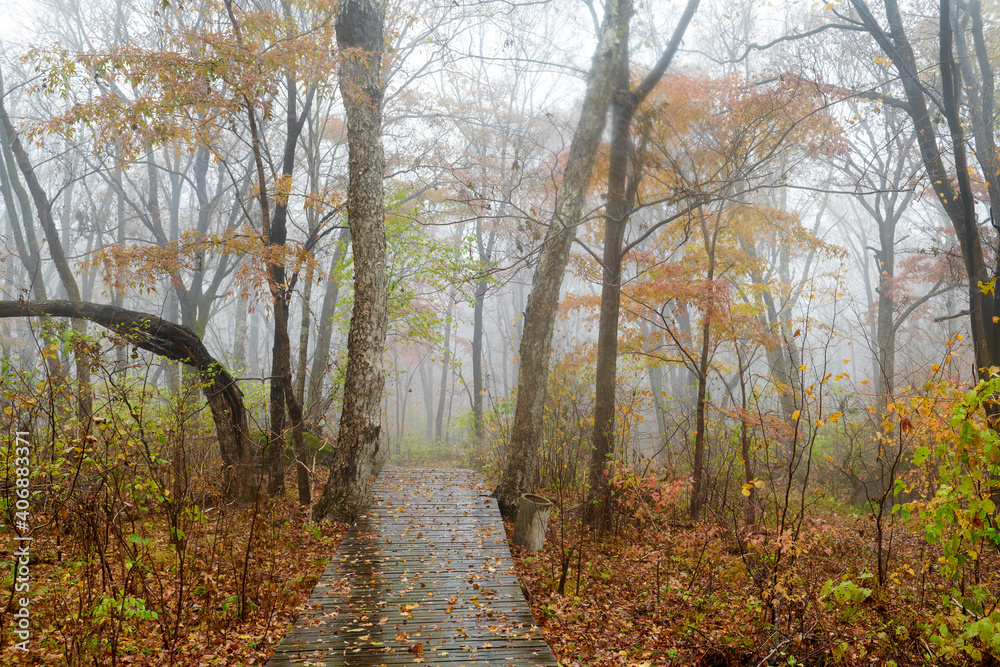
(967, 84)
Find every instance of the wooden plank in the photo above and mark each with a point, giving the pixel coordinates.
(425, 577)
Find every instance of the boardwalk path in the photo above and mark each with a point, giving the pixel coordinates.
(426, 577)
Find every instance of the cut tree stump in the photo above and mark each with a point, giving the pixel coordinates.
(532, 520)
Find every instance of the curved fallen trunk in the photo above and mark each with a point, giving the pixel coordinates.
(178, 343)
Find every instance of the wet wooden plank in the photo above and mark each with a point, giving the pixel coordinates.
(425, 577)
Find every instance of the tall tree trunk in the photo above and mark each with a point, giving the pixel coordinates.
(451, 397)
(117, 295)
(321, 355)
(240, 338)
(254, 361)
(445, 371)
(656, 386)
(282, 295)
(477, 362)
(170, 297)
(615, 221)
(22, 228)
(26, 243)
(360, 29)
(275, 453)
(749, 507)
(275, 232)
(175, 287)
(885, 378)
(300, 374)
(485, 256)
(623, 182)
(699, 487)
(543, 301)
(295, 417)
(427, 389)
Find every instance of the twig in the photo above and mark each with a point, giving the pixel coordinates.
(951, 317)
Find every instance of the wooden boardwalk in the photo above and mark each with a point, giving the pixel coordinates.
(425, 577)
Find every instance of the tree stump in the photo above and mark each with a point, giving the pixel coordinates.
(532, 520)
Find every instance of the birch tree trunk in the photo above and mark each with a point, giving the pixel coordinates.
(360, 30)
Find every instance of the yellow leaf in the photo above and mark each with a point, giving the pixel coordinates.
(802, 367)
(819, 423)
(759, 483)
(835, 417)
(795, 415)
(935, 368)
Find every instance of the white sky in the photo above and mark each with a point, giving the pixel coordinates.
(16, 21)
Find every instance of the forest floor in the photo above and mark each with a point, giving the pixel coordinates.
(650, 590)
(224, 594)
(662, 592)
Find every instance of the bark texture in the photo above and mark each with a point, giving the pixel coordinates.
(543, 301)
(360, 35)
